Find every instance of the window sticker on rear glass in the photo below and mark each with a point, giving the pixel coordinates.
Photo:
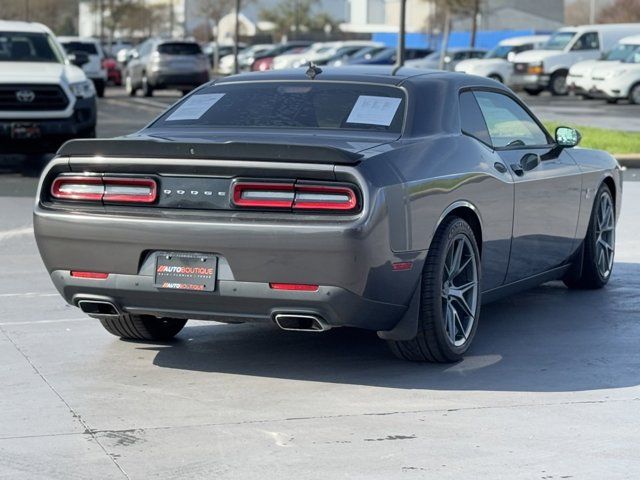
(370, 110)
(195, 107)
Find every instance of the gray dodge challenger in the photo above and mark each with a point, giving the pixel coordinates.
(394, 200)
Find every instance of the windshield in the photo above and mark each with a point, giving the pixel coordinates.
(620, 52)
(559, 41)
(501, 51)
(88, 48)
(304, 104)
(634, 56)
(28, 47)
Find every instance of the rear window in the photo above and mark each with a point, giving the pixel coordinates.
(304, 104)
(179, 49)
(88, 48)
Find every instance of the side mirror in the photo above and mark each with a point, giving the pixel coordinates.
(529, 162)
(79, 58)
(567, 137)
(133, 54)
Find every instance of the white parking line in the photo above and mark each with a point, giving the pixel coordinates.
(29, 294)
(62, 320)
(15, 232)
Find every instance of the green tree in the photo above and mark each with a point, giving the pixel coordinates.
(293, 17)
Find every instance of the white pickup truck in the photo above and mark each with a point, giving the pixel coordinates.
(44, 98)
(548, 67)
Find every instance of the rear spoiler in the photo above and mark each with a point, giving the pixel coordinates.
(223, 151)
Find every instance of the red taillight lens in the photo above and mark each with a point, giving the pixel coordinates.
(129, 190)
(294, 196)
(107, 189)
(318, 197)
(94, 275)
(263, 195)
(300, 287)
(78, 188)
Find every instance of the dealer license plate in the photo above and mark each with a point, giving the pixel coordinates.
(186, 272)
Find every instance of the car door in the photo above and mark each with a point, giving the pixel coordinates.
(547, 183)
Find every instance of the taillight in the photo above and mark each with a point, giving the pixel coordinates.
(78, 188)
(93, 275)
(319, 197)
(129, 190)
(107, 189)
(263, 195)
(294, 196)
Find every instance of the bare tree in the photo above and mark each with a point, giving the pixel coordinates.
(295, 16)
(59, 15)
(621, 11)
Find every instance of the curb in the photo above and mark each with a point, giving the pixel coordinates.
(631, 160)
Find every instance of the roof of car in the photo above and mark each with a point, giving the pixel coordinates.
(78, 39)
(630, 40)
(30, 27)
(384, 74)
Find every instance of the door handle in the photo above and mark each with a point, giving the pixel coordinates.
(517, 169)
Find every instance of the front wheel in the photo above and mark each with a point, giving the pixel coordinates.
(599, 245)
(533, 91)
(450, 297)
(143, 327)
(147, 90)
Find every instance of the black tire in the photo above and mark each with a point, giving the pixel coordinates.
(143, 327)
(612, 101)
(100, 86)
(586, 273)
(496, 77)
(432, 343)
(129, 86)
(185, 92)
(147, 89)
(558, 84)
(534, 91)
(634, 94)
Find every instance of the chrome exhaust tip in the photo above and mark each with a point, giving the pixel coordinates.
(98, 308)
(297, 322)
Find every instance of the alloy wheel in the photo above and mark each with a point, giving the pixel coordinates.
(459, 290)
(560, 85)
(605, 235)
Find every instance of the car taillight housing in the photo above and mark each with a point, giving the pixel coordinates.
(104, 189)
(294, 196)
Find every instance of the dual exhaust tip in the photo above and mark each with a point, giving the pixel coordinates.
(294, 322)
(298, 322)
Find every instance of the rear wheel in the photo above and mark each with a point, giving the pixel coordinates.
(147, 90)
(143, 327)
(558, 84)
(599, 245)
(450, 300)
(634, 94)
(128, 85)
(496, 77)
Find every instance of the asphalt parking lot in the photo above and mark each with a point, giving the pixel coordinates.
(550, 389)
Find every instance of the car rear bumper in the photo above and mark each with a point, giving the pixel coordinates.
(177, 80)
(232, 301)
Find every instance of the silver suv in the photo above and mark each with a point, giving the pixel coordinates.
(162, 64)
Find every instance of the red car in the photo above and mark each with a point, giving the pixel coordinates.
(114, 74)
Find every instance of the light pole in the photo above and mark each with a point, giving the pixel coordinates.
(592, 12)
(236, 35)
(401, 35)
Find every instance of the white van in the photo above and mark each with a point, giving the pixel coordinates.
(579, 80)
(547, 68)
(619, 80)
(496, 64)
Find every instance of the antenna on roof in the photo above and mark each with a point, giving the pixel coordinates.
(313, 71)
(401, 35)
